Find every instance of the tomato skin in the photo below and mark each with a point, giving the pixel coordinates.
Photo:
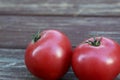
(50, 57)
(97, 62)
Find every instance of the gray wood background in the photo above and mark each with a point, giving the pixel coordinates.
(78, 19)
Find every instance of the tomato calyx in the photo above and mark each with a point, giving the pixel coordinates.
(96, 42)
(36, 37)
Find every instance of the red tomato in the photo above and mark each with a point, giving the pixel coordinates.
(97, 59)
(49, 55)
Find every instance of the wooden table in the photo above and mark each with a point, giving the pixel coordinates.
(78, 19)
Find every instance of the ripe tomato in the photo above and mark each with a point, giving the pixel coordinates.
(49, 55)
(97, 59)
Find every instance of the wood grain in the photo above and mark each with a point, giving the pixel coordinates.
(60, 7)
(16, 31)
(12, 66)
(78, 19)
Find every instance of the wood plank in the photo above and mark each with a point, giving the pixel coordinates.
(12, 66)
(61, 7)
(16, 31)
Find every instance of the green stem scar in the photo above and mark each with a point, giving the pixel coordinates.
(95, 42)
(36, 37)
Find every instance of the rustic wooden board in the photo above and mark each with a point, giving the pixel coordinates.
(61, 7)
(16, 31)
(78, 19)
(12, 66)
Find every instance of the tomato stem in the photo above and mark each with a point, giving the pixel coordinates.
(95, 42)
(36, 37)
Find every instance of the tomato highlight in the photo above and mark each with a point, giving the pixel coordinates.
(49, 54)
(96, 59)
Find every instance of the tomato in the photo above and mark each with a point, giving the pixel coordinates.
(96, 59)
(49, 54)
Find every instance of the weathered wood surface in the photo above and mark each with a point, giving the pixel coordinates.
(12, 66)
(16, 31)
(78, 19)
(61, 7)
